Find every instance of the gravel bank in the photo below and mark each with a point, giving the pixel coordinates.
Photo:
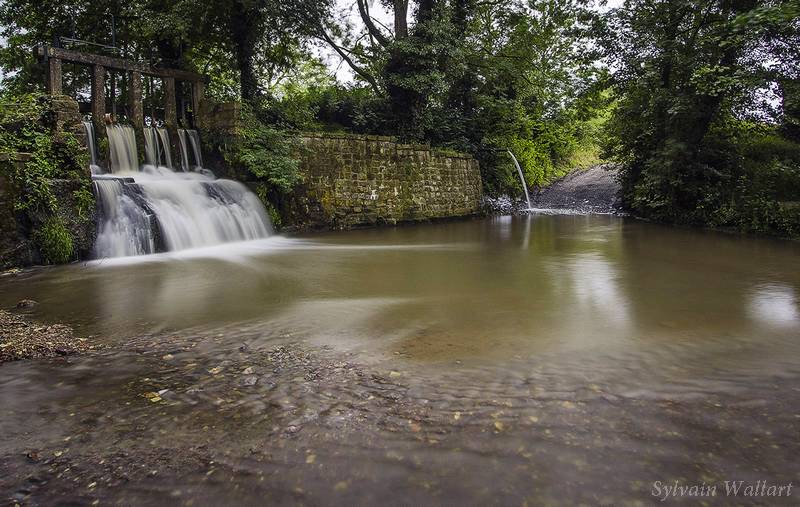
(23, 339)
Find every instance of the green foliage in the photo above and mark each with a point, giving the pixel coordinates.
(263, 193)
(22, 130)
(484, 77)
(25, 128)
(263, 151)
(84, 202)
(696, 142)
(54, 241)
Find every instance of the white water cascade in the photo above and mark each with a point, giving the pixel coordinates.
(152, 155)
(190, 138)
(122, 149)
(126, 226)
(163, 135)
(194, 140)
(157, 209)
(88, 127)
(522, 179)
(157, 153)
(184, 149)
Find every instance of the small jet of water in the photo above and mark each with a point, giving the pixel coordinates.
(522, 179)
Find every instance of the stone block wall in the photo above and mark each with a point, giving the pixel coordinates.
(356, 180)
(63, 115)
(220, 116)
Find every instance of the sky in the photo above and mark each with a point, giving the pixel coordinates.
(349, 9)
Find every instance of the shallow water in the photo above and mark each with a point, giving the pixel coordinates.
(553, 359)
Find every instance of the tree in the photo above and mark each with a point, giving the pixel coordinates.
(689, 75)
(252, 38)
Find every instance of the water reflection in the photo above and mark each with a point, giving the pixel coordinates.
(775, 305)
(595, 287)
(484, 288)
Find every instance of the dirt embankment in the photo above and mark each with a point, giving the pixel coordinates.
(21, 338)
(593, 190)
(583, 191)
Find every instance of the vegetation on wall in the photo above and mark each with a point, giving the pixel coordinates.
(54, 241)
(263, 151)
(24, 129)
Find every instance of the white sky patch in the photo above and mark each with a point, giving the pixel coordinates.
(347, 11)
(2, 44)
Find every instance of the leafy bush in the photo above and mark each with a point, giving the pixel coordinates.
(84, 202)
(54, 241)
(263, 151)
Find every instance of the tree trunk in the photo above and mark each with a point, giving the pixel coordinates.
(790, 94)
(400, 19)
(246, 23)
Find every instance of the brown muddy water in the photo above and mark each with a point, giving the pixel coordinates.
(539, 360)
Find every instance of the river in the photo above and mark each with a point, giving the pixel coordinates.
(541, 359)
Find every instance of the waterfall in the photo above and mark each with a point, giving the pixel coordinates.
(151, 153)
(156, 147)
(187, 138)
(160, 210)
(88, 127)
(522, 179)
(202, 212)
(125, 226)
(194, 140)
(184, 151)
(171, 211)
(163, 135)
(122, 148)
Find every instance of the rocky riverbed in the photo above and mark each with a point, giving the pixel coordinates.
(201, 419)
(22, 338)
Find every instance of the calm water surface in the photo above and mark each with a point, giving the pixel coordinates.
(548, 359)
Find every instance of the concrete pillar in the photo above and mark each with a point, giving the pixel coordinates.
(53, 80)
(198, 89)
(135, 100)
(99, 100)
(136, 108)
(171, 113)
